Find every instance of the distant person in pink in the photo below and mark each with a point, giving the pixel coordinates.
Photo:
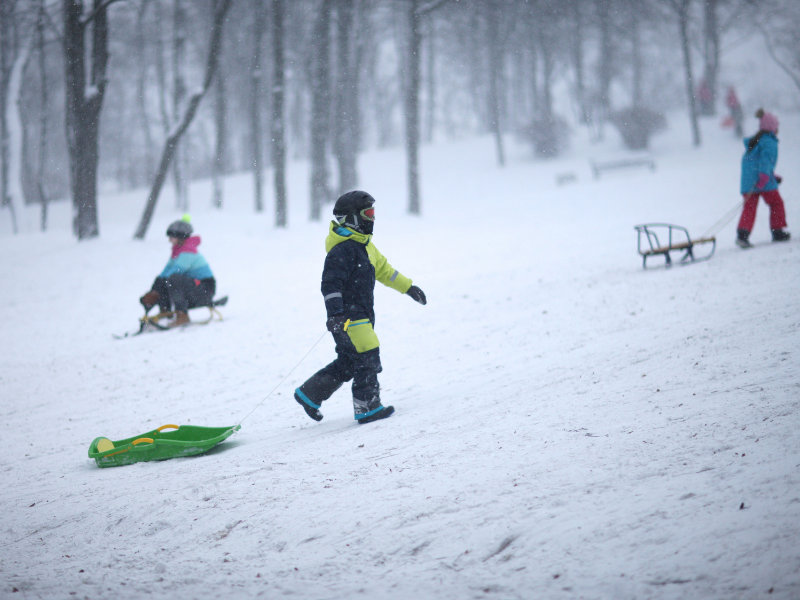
(735, 108)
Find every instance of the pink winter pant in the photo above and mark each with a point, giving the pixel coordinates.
(777, 214)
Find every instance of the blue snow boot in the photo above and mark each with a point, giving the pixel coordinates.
(319, 387)
(311, 407)
(367, 412)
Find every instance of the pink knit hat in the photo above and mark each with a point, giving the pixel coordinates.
(767, 121)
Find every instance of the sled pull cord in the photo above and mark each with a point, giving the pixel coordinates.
(284, 379)
(717, 227)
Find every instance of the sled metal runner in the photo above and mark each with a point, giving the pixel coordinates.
(181, 440)
(677, 240)
(150, 322)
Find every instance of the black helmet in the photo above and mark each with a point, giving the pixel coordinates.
(180, 229)
(354, 210)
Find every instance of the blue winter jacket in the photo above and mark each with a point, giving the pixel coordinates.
(187, 261)
(761, 159)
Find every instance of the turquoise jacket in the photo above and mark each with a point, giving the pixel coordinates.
(761, 159)
(187, 261)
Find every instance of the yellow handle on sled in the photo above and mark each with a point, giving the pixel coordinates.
(346, 325)
(143, 441)
(168, 426)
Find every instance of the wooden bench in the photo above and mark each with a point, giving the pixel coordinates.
(599, 167)
(654, 247)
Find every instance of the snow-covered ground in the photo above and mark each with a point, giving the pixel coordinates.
(568, 425)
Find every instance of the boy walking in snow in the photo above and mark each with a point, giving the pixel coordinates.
(352, 266)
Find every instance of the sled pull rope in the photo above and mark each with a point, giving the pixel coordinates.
(726, 218)
(284, 379)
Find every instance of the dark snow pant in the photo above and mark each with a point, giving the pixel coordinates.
(361, 367)
(183, 292)
(777, 213)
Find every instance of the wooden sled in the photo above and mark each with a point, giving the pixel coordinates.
(184, 440)
(150, 323)
(148, 320)
(674, 236)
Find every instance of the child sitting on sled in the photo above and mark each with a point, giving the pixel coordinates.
(187, 281)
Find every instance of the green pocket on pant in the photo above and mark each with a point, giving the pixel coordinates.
(362, 335)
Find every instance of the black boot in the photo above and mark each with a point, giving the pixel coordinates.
(315, 391)
(779, 235)
(367, 412)
(742, 236)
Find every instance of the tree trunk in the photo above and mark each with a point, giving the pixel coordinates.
(430, 94)
(345, 146)
(320, 111)
(256, 83)
(636, 51)
(606, 53)
(16, 154)
(6, 19)
(495, 73)
(412, 107)
(683, 25)
(40, 179)
(141, 47)
(191, 109)
(83, 105)
(577, 57)
(278, 116)
(220, 164)
(711, 50)
(178, 97)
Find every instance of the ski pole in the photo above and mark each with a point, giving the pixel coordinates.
(284, 379)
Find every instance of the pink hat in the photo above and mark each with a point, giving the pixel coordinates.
(767, 121)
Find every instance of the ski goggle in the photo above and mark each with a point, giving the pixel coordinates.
(368, 214)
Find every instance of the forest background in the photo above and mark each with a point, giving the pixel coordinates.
(122, 94)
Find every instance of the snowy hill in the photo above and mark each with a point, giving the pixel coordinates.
(568, 425)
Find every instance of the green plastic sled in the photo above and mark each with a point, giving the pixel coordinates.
(183, 440)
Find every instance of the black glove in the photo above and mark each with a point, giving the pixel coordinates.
(335, 324)
(417, 294)
(778, 178)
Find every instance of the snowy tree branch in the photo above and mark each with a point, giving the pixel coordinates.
(88, 18)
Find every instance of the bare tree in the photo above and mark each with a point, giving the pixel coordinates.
(219, 166)
(681, 9)
(7, 19)
(578, 59)
(320, 110)
(495, 47)
(40, 49)
(417, 10)
(345, 139)
(779, 24)
(179, 24)
(278, 115)
(194, 102)
(711, 50)
(84, 101)
(256, 85)
(141, 83)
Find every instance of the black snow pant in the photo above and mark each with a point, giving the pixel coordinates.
(183, 292)
(362, 368)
